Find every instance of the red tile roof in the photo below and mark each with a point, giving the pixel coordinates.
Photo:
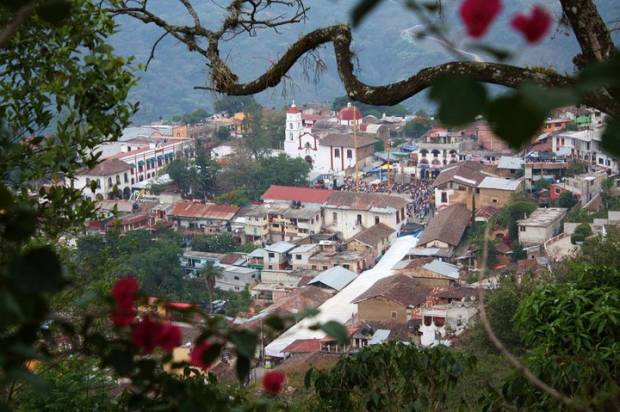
(349, 113)
(204, 210)
(293, 109)
(300, 194)
(106, 168)
(303, 346)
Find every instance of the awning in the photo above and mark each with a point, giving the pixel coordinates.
(140, 162)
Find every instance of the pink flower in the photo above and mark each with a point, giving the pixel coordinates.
(532, 27)
(147, 334)
(170, 337)
(478, 15)
(273, 382)
(196, 356)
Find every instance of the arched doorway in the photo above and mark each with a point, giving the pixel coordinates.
(126, 193)
(309, 160)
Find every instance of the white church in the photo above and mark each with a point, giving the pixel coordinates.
(328, 152)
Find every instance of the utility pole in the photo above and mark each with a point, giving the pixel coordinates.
(356, 178)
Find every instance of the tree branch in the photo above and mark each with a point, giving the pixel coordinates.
(248, 16)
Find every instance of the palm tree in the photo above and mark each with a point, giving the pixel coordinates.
(210, 273)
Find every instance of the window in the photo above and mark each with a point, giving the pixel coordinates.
(494, 200)
(522, 228)
(271, 255)
(336, 152)
(349, 154)
(88, 181)
(298, 257)
(290, 125)
(359, 219)
(125, 177)
(444, 197)
(393, 315)
(377, 220)
(346, 266)
(325, 268)
(118, 180)
(132, 181)
(335, 217)
(313, 267)
(270, 267)
(236, 277)
(109, 181)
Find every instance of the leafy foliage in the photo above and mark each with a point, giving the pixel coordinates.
(389, 377)
(581, 233)
(567, 199)
(235, 104)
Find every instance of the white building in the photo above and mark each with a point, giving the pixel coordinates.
(541, 225)
(111, 177)
(441, 322)
(584, 145)
(331, 153)
(351, 212)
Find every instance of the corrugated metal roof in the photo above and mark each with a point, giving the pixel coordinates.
(443, 268)
(380, 336)
(294, 193)
(280, 247)
(510, 162)
(499, 183)
(336, 278)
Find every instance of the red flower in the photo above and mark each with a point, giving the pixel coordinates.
(478, 15)
(147, 334)
(273, 382)
(196, 356)
(124, 292)
(532, 27)
(123, 317)
(170, 337)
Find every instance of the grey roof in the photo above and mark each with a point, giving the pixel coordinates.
(304, 248)
(380, 336)
(499, 183)
(336, 278)
(510, 162)
(543, 217)
(443, 268)
(257, 253)
(280, 247)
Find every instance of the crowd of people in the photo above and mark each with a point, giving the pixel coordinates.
(419, 189)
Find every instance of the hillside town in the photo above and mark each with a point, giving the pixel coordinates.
(384, 235)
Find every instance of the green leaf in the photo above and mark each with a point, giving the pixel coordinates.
(460, 99)
(242, 366)
(38, 270)
(54, 11)
(548, 99)
(515, 119)
(337, 331)
(21, 224)
(121, 361)
(245, 342)
(597, 75)
(362, 9)
(275, 322)
(611, 137)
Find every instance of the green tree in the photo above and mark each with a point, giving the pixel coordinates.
(387, 378)
(416, 128)
(235, 197)
(74, 383)
(567, 199)
(222, 134)
(576, 168)
(197, 116)
(209, 274)
(220, 243)
(518, 253)
(509, 215)
(235, 104)
(581, 233)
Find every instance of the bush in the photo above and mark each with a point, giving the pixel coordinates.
(567, 200)
(581, 233)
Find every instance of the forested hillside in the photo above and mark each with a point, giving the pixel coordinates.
(386, 52)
